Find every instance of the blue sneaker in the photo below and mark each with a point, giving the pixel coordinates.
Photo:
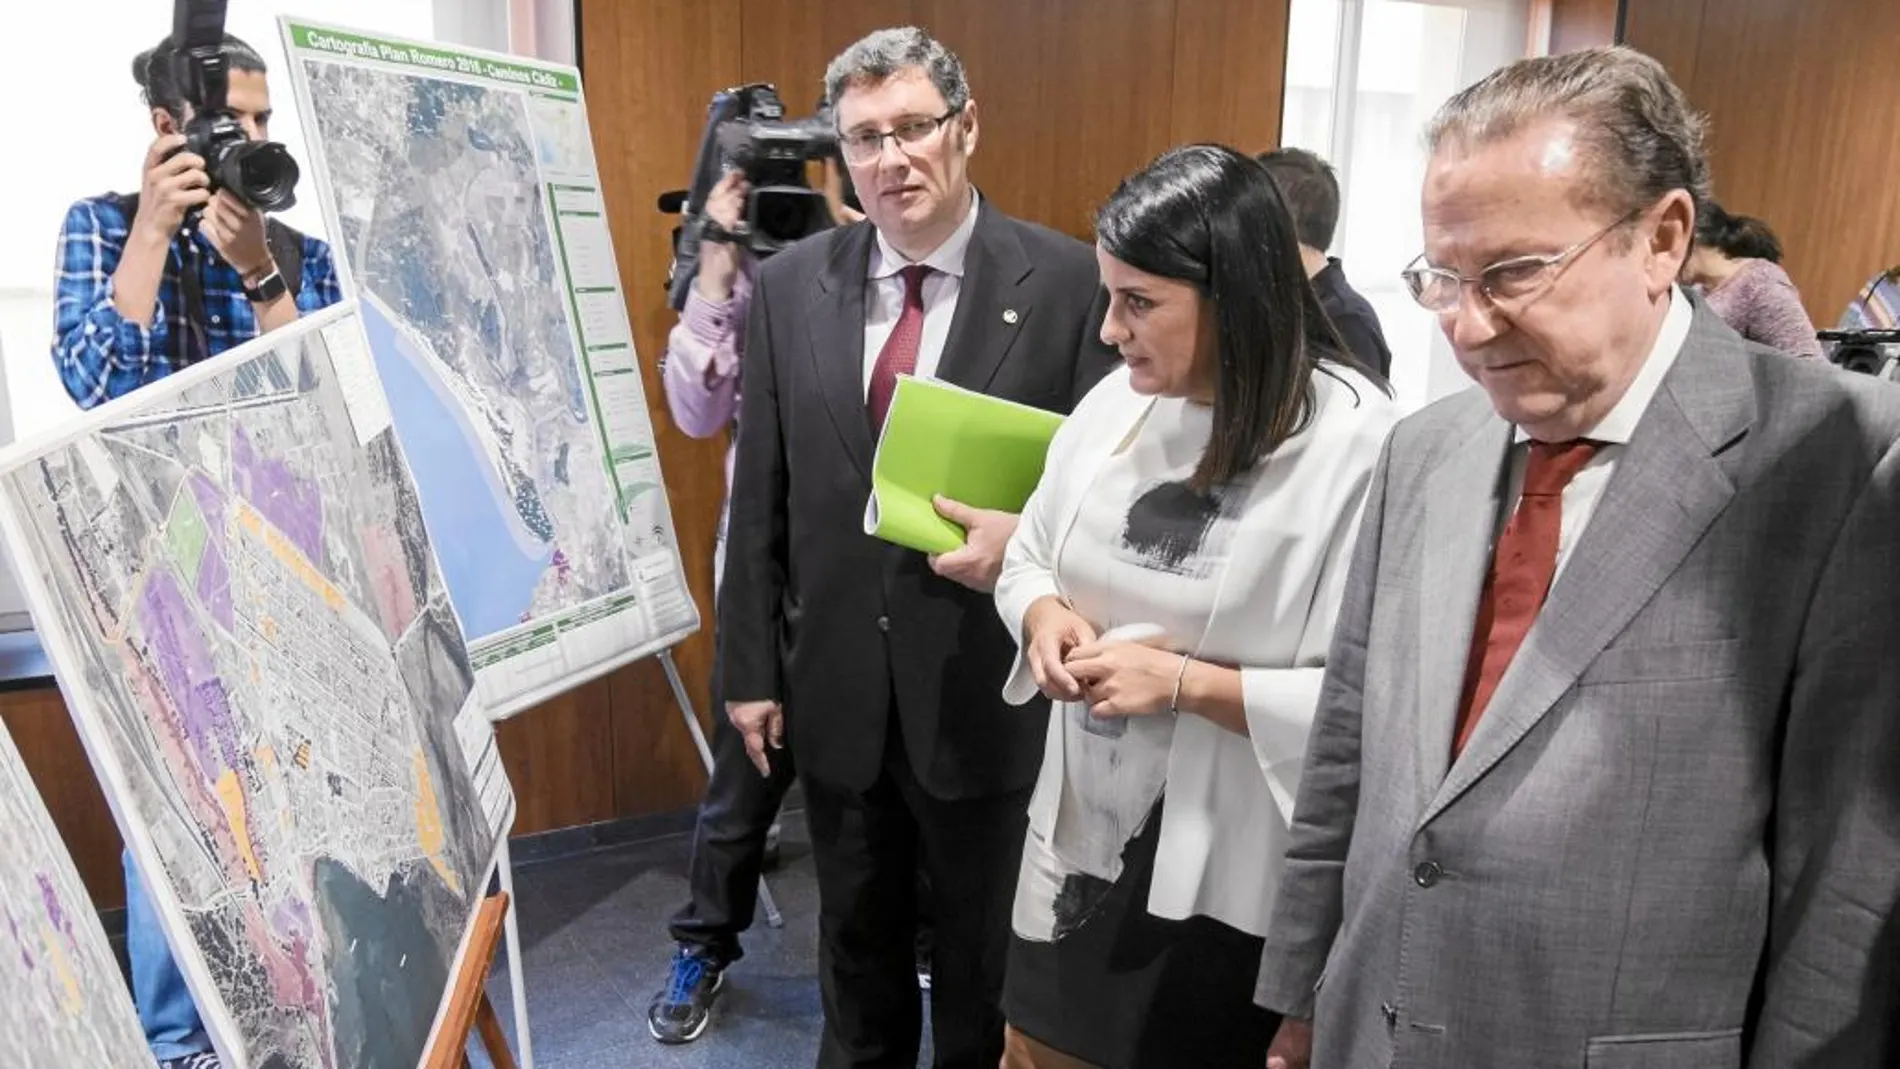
(680, 1012)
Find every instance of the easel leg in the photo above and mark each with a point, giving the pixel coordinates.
(773, 918)
(517, 964)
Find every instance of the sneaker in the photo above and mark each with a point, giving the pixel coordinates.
(206, 1060)
(680, 1012)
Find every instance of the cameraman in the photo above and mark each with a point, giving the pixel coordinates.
(700, 372)
(139, 296)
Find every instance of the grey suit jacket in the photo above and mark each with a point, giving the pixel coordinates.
(1674, 838)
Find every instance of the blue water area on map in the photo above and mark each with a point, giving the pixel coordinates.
(490, 562)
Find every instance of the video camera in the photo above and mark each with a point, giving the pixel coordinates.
(746, 130)
(261, 173)
(1868, 352)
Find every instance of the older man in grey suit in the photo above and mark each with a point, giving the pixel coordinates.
(1606, 771)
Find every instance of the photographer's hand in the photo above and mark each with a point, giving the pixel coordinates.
(719, 260)
(174, 182)
(236, 230)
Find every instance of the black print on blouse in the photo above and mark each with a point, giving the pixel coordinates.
(1168, 525)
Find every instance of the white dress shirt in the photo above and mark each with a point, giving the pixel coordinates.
(1613, 431)
(884, 297)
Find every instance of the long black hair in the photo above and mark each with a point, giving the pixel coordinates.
(1211, 216)
(1739, 237)
(160, 72)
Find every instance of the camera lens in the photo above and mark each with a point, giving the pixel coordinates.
(261, 172)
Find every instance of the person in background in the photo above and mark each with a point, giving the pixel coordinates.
(876, 664)
(1606, 766)
(1736, 265)
(700, 373)
(1311, 190)
(140, 295)
(1206, 493)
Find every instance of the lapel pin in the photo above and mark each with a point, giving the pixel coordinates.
(1010, 316)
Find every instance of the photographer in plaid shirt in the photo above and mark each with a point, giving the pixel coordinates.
(124, 313)
(139, 297)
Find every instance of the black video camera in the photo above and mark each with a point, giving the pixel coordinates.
(1862, 351)
(261, 173)
(746, 130)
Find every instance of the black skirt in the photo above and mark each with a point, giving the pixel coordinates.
(1124, 989)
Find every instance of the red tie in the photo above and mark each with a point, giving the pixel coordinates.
(1522, 568)
(899, 355)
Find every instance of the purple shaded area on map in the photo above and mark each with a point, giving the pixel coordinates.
(211, 504)
(54, 911)
(214, 587)
(288, 501)
(190, 676)
(26, 950)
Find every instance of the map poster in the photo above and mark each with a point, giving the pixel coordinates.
(464, 196)
(66, 1003)
(232, 577)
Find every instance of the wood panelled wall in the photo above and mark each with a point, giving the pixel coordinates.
(1072, 95)
(1579, 24)
(1802, 100)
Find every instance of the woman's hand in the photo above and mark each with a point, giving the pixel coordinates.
(1126, 678)
(1051, 631)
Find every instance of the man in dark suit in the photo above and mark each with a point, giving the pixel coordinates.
(1311, 191)
(883, 669)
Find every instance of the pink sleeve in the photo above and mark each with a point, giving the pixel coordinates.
(1775, 316)
(703, 354)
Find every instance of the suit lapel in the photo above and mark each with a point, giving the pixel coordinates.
(1461, 508)
(836, 322)
(993, 303)
(1668, 487)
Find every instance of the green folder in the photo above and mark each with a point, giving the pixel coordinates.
(943, 439)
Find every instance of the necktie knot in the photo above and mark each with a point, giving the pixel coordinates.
(914, 275)
(1553, 464)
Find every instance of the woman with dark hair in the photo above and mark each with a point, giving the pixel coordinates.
(1736, 264)
(1173, 585)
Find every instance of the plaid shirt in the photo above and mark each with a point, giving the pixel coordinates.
(101, 354)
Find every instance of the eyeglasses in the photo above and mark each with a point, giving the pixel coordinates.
(1519, 278)
(863, 146)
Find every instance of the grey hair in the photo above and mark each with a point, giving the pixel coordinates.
(883, 53)
(1639, 137)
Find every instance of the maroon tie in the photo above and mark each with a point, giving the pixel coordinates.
(1522, 568)
(899, 355)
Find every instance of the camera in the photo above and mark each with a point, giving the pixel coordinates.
(261, 173)
(746, 130)
(1867, 352)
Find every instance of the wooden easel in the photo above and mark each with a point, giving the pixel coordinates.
(469, 1009)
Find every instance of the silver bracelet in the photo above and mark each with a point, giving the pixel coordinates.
(1174, 703)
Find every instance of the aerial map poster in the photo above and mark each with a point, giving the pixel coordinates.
(231, 574)
(463, 193)
(66, 1003)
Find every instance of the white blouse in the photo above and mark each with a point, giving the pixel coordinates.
(1254, 582)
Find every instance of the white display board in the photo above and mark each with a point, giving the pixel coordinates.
(231, 575)
(66, 1003)
(462, 191)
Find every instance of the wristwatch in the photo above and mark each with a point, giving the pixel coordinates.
(267, 289)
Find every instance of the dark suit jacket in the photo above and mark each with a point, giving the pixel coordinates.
(837, 625)
(1353, 317)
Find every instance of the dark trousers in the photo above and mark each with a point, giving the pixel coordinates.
(868, 847)
(735, 817)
